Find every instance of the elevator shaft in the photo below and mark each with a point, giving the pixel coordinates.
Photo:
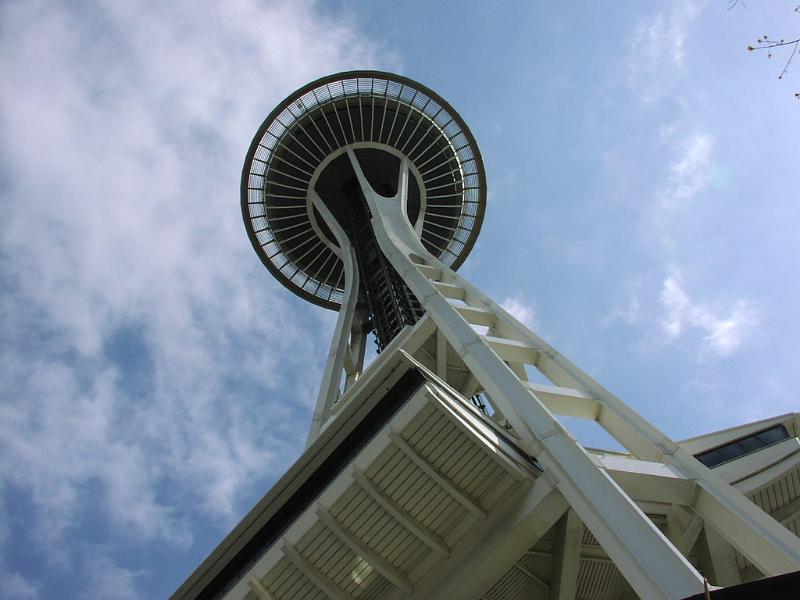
(390, 303)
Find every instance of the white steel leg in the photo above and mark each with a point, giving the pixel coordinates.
(340, 357)
(646, 558)
(769, 545)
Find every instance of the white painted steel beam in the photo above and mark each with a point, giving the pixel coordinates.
(315, 575)
(441, 355)
(788, 512)
(519, 370)
(780, 554)
(683, 527)
(566, 401)
(764, 541)
(512, 350)
(647, 481)
(511, 531)
(566, 557)
(477, 316)
(358, 347)
(449, 290)
(340, 353)
(721, 559)
(432, 273)
(431, 539)
(259, 590)
(643, 554)
(378, 562)
(532, 575)
(448, 486)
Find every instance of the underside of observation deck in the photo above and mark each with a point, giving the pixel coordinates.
(309, 132)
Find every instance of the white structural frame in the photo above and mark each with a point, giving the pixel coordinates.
(346, 356)
(651, 563)
(345, 360)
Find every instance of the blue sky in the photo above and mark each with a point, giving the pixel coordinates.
(643, 216)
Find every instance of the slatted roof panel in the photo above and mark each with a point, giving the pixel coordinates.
(421, 487)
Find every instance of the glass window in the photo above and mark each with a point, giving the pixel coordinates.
(733, 450)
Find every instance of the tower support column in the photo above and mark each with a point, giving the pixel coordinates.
(647, 559)
(346, 356)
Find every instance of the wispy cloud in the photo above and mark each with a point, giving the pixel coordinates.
(688, 173)
(151, 369)
(520, 310)
(657, 49)
(629, 312)
(724, 330)
(106, 579)
(16, 587)
(685, 180)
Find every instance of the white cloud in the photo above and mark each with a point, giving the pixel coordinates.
(629, 312)
(16, 587)
(724, 331)
(123, 131)
(686, 178)
(105, 579)
(657, 50)
(688, 174)
(520, 310)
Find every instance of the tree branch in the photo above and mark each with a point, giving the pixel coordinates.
(766, 44)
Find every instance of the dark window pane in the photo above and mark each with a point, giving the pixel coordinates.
(746, 445)
(749, 444)
(774, 435)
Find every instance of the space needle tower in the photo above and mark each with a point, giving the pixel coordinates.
(441, 469)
